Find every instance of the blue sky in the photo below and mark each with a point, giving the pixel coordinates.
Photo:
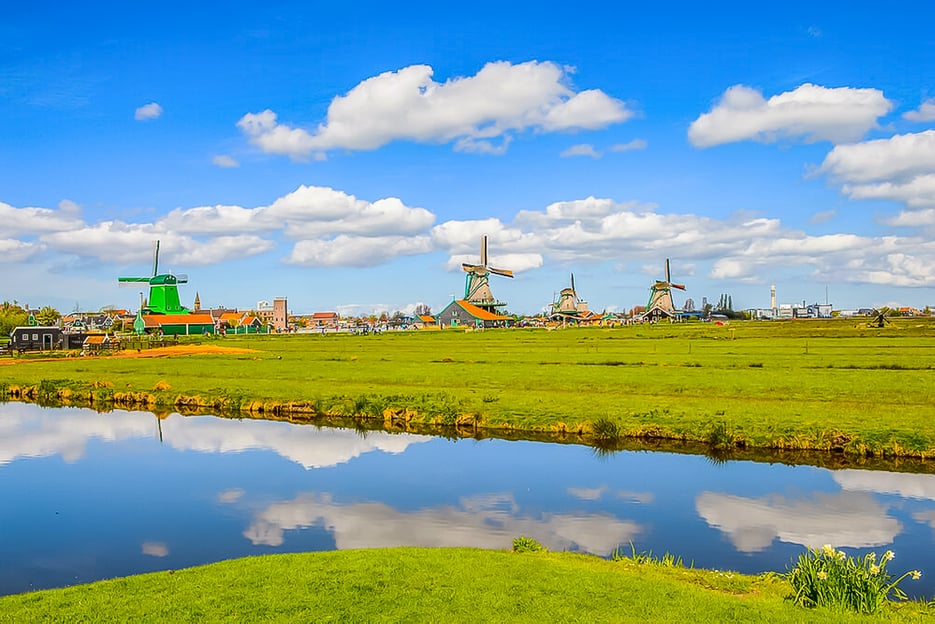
(351, 158)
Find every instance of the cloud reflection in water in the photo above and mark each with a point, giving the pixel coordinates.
(845, 519)
(489, 521)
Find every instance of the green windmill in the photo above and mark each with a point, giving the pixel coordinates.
(163, 289)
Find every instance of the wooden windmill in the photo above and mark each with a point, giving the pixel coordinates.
(660, 303)
(163, 289)
(569, 305)
(476, 283)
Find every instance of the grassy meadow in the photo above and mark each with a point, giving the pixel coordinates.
(434, 585)
(826, 385)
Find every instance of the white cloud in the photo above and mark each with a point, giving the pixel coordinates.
(635, 144)
(148, 112)
(225, 162)
(925, 112)
(823, 216)
(230, 496)
(32, 221)
(900, 168)
(357, 251)
(12, 250)
(809, 113)
(472, 112)
(129, 243)
(846, 520)
(582, 149)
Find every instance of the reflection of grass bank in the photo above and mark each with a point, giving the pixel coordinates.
(418, 585)
(831, 385)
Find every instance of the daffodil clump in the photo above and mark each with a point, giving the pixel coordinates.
(829, 578)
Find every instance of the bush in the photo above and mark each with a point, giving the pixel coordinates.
(828, 578)
(524, 544)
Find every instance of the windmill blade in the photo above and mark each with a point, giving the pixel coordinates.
(573, 284)
(182, 278)
(668, 276)
(472, 268)
(156, 258)
(503, 272)
(128, 282)
(679, 286)
(483, 250)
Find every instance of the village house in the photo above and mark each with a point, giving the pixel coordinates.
(460, 313)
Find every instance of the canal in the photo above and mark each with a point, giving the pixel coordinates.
(88, 495)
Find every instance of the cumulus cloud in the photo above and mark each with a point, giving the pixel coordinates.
(148, 112)
(31, 220)
(225, 162)
(810, 113)
(900, 168)
(155, 549)
(925, 112)
(357, 251)
(583, 149)
(476, 113)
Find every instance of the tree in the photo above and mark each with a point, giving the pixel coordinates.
(48, 316)
(11, 315)
(422, 310)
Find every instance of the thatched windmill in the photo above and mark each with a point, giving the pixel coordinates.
(476, 283)
(163, 289)
(660, 303)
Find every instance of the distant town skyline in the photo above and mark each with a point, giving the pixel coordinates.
(351, 158)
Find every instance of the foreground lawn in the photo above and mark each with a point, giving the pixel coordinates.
(826, 385)
(431, 585)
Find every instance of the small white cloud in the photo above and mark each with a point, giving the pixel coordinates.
(230, 496)
(814, 32)
(148, 111)
(225, 162)
(582, 149)
(823, 216)
(810, 113)
(925, 112)
(635, 144)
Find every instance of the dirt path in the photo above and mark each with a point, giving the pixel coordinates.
(159, 352)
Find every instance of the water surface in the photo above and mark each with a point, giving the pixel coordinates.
(88, 495)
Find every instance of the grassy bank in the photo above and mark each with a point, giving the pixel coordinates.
(433, 585)
(824, 385)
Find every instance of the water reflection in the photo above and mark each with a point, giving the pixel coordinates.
(29, 431)
(85, 496)
(853, 520)
(489, 521)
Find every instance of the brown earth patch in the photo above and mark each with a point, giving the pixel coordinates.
(159, 352)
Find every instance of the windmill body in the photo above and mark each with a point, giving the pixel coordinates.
(477, 282)
(569, 306)
(163, 289)
(660, 304)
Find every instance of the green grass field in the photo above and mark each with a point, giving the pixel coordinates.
(433, 585)
(827, 385)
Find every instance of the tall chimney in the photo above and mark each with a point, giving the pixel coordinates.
(772, 296)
